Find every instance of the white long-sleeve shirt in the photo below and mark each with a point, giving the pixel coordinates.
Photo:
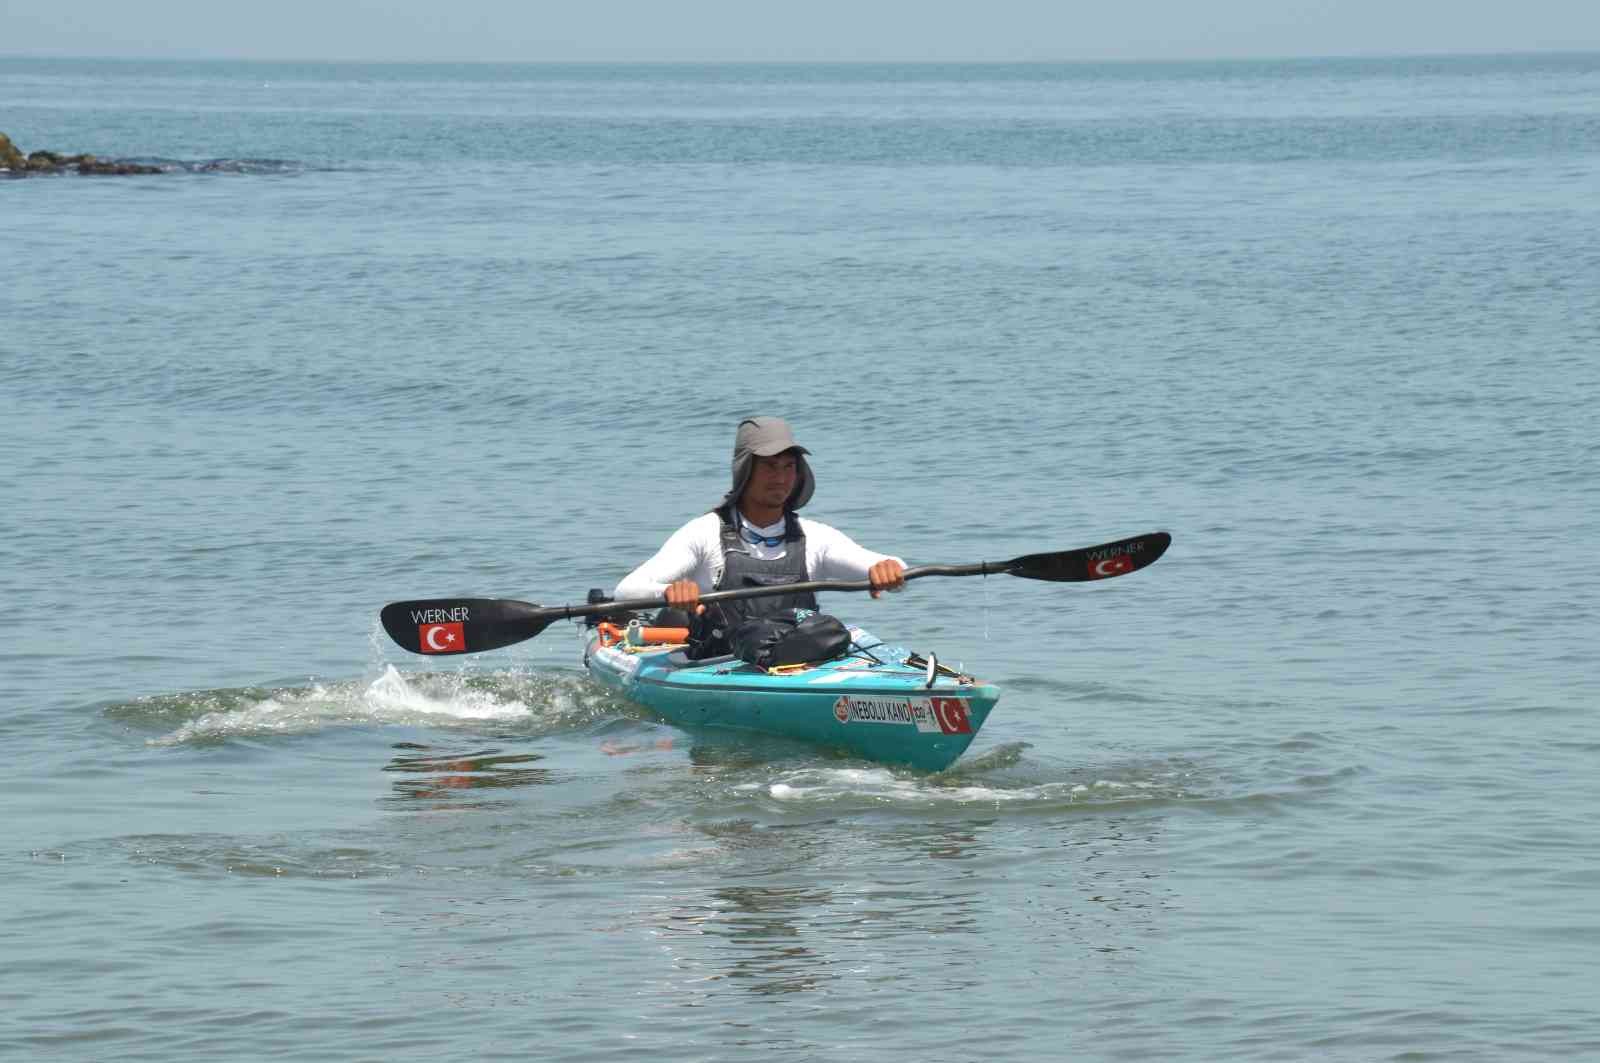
(694, 552)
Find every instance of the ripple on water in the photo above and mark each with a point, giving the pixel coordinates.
(999, 778)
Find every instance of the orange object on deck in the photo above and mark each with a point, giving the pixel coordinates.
(611, 634)
(663, 634)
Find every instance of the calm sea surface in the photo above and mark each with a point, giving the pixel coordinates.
(1319, 785)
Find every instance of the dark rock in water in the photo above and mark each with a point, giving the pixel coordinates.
(48, 161)
(10, 158)
(95, 166)
(14, 163)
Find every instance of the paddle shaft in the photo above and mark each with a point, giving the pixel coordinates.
(568, 612)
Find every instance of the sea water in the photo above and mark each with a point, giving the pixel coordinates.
(1319, 784)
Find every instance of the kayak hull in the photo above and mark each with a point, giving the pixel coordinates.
(873, 704)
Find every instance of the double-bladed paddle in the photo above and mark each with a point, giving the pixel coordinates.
(471, 625)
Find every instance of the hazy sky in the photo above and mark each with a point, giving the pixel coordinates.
(807, 30)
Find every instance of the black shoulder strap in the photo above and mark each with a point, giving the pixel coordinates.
(729, 532)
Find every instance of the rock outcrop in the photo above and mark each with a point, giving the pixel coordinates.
(10, 158)
(15, 164)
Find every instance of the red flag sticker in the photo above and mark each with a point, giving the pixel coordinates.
(442, 638)
(952, 714)
(1100, 568)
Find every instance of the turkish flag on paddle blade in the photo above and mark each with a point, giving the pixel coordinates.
(952, 714)
(442, 638)
(1110, 566)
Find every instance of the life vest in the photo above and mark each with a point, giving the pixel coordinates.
(740, 568)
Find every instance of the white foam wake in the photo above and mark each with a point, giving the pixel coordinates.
(392, 698)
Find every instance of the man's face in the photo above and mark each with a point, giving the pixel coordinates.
(772, 480)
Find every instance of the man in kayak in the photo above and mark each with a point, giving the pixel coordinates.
(754, 538)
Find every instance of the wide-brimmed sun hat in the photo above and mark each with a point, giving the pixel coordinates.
(764, 437)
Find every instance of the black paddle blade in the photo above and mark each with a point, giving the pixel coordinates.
(463, 625)
(1093, 562)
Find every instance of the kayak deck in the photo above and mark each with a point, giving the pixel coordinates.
(878, 701)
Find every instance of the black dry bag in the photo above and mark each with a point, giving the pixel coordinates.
(771, 641)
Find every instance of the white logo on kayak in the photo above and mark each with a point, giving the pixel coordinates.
(907, 712)
(626, 663)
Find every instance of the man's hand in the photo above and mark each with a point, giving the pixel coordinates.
(886, 575)
(684, 594)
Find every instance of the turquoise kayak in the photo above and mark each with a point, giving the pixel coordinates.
(880, 702)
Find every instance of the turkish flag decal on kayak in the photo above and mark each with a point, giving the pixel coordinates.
(928, 715)
(952, 716)
(442, 638)
(1100, 568)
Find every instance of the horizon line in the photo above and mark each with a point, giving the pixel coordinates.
(1060, 61)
